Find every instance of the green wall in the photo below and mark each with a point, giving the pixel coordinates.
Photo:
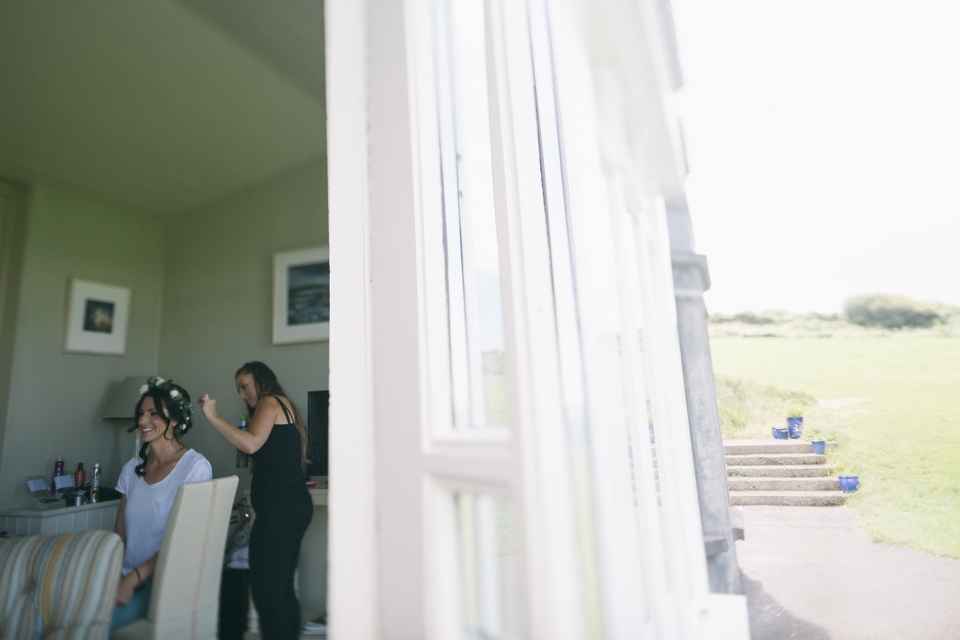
(201, 305)
(56, 399)
(218, 297)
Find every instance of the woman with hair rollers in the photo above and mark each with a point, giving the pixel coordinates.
(277, 442)
(147, 490)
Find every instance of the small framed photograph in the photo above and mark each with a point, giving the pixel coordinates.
(301, 296)
(97, 318)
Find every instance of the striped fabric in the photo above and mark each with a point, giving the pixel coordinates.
(61, 586)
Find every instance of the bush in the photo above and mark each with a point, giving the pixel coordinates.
(889, 312)
(746, 317)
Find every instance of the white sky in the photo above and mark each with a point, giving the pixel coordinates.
(823, 138)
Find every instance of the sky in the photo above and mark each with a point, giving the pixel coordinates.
(823, 140)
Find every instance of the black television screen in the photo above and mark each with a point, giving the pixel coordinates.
(318, 403)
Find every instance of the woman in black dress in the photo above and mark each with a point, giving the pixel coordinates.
(277, 442)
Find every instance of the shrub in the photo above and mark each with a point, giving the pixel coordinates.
(746, 317)
(889, 312)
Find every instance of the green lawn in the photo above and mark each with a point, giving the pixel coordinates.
(893, 406)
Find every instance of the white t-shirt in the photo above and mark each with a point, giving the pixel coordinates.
(148, 505)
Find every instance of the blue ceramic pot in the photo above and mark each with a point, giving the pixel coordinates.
(795, 427)
(849, 484)
(780, 434)
(818, 446)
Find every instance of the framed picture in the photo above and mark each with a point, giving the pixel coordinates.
(301, 296)
(97, 318)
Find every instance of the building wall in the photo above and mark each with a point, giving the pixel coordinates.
(55, 399)
(218, 297)
(13, 200)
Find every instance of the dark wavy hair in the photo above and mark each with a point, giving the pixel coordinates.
(267, 384)
(170, 413)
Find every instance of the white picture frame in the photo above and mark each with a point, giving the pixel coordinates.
(301, 295)
(97, 316)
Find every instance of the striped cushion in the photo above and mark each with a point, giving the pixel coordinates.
(61, 586)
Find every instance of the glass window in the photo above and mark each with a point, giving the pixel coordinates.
(477, 343)
(488, 566)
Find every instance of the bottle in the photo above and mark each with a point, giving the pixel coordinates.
(95, 489)
(57, 472)
(79, 476)
(242, 460)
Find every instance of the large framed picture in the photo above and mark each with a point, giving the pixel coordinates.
(301, 296)
(97, 318)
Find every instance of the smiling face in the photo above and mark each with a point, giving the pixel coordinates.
(247, 389)
(151, 424)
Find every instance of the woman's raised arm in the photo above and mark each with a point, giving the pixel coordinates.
(252, 439)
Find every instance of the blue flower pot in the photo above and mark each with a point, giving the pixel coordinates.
(818, 446)
(795, 427)
(780, 434)
(849, 484)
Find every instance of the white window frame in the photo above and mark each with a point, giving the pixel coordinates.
(406, 455)
(396, 458)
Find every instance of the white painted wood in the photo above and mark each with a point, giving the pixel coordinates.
(624, 612)
(352, 570)
(396, 333)
(619, 50)
(409, 391)
(591, 564)
(683, 537)
(547, 515)
(657, 596)
(29, 522)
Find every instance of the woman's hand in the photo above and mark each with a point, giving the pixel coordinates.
(209, 406)
(125, 590)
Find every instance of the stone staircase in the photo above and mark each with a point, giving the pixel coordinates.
(779, 472)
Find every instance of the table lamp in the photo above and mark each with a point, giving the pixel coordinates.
(121, 405)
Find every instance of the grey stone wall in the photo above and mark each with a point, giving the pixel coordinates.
(691, 278)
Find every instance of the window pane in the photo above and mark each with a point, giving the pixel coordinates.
(488, 566)
(477, 341)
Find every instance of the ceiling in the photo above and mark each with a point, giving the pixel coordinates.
(160, 106)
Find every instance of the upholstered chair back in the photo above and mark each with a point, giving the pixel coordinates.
(61, 586)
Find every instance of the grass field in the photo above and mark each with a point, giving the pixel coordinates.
(893, 406)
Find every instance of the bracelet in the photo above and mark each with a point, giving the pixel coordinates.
(139, 579)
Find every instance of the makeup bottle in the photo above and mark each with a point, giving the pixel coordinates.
(95, 489)
(79, 476)
(57, 472)
(242, 460)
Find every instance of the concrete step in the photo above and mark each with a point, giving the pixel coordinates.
(780, 471)
(783, 484)
(788, 498)
(775, 458)
(769, 445)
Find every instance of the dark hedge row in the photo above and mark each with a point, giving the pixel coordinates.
(890, 312)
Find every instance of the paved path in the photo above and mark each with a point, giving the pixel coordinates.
(809, 573)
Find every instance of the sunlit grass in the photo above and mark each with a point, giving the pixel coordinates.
(893, 406)
(749, 409)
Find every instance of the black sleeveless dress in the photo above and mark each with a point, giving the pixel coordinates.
(279, 496)
(277, 475)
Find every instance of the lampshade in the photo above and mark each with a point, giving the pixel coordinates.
(125, 398)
